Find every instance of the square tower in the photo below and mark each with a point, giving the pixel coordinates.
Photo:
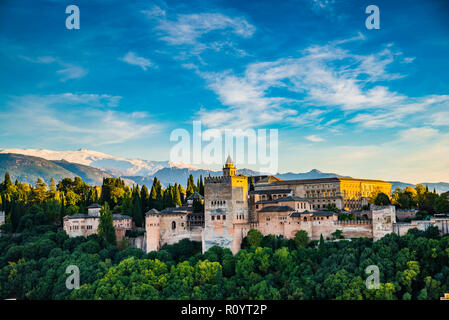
(225, 209)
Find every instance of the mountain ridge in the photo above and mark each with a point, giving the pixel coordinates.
(92, 166)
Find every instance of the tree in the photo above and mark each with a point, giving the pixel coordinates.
(301, 238)
(198, 205)
(52, 185)
(201, 186)
(251, 183)
(190, 186)
(145, 198)
(331, 207)
(338, 234)
(176, 196)
(137, 211)
(382, 199)
(40, 190)
(6, 182)
(106, 227)
(254, 237)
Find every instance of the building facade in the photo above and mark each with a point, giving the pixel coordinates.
(345, 193)
(277, 207)
(87, 224)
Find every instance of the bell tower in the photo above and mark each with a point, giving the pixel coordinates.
(229, 168)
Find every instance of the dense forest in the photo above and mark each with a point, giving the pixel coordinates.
(413, 266)
(35, 253)
(27, 205)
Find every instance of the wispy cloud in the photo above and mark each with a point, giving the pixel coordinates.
(440, 118)
(322, 79)
(69, 71)
(314, 138)
(189, 29)
(75, 118)
(133, 59)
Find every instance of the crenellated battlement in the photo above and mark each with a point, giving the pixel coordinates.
(217, 179)
(355, 222)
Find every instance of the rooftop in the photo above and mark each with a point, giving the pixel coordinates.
(277, 209)
(194, 195)
(321, 180)
(292, 198)
(271, 191)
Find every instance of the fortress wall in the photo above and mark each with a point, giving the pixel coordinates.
(322, 227)
(350, 229)
(355, 229)
(170, 235)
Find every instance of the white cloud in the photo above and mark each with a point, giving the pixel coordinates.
(440, 118)
(71, 72)
(417, 134)
(155, 11)
(133, 59)
(408, 59)
(393, 160)
(323, 78)
(187, 30)
(314, 138)
(68, 72)
(74, 118)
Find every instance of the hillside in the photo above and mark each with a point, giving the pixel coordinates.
(29, 169)
(89, 174)
(92, 166)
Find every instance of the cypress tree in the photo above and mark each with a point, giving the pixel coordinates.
(190, 186)
(137, 211)
(201, 186)
(145, 198)
(106, 227)
(176, 196)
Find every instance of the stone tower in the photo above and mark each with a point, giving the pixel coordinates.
(384, 217)
(153, 230)
(229, 169)
(225, 209)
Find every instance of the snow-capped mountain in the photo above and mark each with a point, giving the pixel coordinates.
(115, 165)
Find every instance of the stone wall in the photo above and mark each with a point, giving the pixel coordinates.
(384, 217)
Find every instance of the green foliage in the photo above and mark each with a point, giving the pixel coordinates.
(106, 226)
(382, 199)
(33, 261)
(301, 238)
(254, 238)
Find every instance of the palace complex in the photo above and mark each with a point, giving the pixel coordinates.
(235, 204)
(278, 207)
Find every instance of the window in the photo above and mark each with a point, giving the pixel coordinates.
(173, 225)
(212, 217)
(218, 217)
(224, 217)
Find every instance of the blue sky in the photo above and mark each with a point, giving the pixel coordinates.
(345, 99)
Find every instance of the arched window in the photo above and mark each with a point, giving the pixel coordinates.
(173, 225)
